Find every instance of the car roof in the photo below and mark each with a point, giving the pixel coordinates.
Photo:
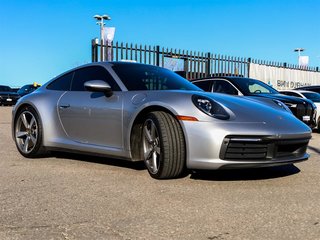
(222, 77)
(297, 91)
(308, 87)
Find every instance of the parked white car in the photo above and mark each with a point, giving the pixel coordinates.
(313, 96)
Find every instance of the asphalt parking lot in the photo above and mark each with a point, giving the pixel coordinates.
(68, 196)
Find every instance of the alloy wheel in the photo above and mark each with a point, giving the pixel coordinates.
(151, 146)
(26, 132)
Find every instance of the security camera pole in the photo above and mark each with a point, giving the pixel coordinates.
(100, 21)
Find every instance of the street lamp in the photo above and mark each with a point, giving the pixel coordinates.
(100, 21)
(299, 50)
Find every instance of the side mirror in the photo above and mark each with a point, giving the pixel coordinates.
(99, 86)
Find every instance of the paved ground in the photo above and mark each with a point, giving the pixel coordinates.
(73, 197)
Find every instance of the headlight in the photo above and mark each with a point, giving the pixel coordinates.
(210, 107)
(282, 105)
(292, 105)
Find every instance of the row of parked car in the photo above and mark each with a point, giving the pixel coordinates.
(9, 96)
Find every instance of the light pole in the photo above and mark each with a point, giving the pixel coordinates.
(100, 21)
(299, 50)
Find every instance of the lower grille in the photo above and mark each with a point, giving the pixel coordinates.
(246, 151)
(261, 148)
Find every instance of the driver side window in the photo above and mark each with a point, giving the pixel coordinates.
(222, 86)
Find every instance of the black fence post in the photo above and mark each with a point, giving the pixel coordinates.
(157, 55)
(94, 50)
(285, 65)
(249, 62)
(208, 66)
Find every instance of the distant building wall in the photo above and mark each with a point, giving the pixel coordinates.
(283, 78)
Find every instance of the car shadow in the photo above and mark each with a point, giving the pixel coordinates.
(213, 175)
(317, 150)
(139, 165)
(245, 174)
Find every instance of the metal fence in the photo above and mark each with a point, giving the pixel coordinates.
(190, 64)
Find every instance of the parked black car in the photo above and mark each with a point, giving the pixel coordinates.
(29, 88)
(314, 88)
(303, 109)
(8, 96)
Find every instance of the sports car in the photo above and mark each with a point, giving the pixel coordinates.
(140, 112)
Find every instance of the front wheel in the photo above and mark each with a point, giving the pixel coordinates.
(28, 133)
(163, 146)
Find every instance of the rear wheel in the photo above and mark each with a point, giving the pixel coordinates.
(163, 146)
(28, 133)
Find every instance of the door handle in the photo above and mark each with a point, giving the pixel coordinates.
(64, 106)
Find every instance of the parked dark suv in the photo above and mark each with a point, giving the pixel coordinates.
(29, 88)
(303, 109)
(8, 96)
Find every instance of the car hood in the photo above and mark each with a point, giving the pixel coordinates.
(240, 108)
(282, 98)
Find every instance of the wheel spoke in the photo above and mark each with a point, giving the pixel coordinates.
(32, 122)
(153, 131)
(33, 139)
(147, 134)
(24, 120)
(21, 134)
(26, 144)
(154, 161)
(157, 150)
(147, 154)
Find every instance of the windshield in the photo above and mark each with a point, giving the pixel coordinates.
(315, 97)
(147, 77)
(252, 86)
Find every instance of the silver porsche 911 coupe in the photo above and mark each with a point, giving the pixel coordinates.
(141, 112)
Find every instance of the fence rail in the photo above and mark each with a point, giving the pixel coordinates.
(190, 64)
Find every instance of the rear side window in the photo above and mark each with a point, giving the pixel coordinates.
(92, 73)
(204, 85)
(62, 83)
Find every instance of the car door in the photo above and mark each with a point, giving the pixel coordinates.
(91, 117)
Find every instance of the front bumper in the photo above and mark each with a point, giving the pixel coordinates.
(244, 145)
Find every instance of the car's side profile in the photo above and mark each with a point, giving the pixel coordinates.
(303, 109)
(141, 112)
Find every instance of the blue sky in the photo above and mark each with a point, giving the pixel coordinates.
(40, 39)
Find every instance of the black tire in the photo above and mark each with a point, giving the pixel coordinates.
(163, 146)
(28, 133)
